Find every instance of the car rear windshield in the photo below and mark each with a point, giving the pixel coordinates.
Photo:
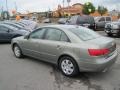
(85, 19)
(84, 33)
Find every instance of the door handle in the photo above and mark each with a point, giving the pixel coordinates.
(58, 47)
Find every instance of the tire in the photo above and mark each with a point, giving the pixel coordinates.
(118, 35)
(68, 66)
(110, 34)
(17, 51)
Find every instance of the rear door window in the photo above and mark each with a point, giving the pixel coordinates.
(53, 34)
(108, 19)
(64, 37)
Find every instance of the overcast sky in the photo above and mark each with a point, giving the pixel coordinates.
(45, 5)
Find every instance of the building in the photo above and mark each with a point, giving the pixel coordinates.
(114, 13)
(68, 11)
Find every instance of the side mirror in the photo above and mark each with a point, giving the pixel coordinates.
(26, 36)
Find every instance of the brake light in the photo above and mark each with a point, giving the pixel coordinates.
(98, 52)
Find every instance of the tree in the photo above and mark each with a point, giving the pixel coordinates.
(88, 8)
(102, 10)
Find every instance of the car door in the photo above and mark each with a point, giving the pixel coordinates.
(30, 46)
(5, 34)
(51, 46)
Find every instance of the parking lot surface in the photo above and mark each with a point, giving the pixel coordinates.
(31, 74)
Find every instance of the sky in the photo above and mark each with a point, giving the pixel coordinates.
(45, 5)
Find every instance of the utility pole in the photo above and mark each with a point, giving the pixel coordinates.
(7, 5)
(68, 1)
(15, 6)
(63, 7)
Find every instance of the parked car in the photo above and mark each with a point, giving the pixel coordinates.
(62, 20)
(101, 21)
(29, 23)
(84, 20)
(113, 28)
(14, 25)
(72, 48)
(8, 32)
(23, 25)
(33, 18)
(18, 25)
(46, 21)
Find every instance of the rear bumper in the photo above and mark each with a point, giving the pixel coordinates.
(99, 65)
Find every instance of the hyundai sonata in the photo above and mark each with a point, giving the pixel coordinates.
(72, 48)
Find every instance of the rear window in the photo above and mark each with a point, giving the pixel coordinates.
(85, 19)
(84, 33)
(108, 19)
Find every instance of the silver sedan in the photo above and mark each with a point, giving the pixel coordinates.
(71, 48)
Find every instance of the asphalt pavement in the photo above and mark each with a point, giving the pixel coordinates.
(31, 74)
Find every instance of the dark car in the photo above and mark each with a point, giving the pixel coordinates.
(8, 32)
(62, 20)
(84, 20)
(18, 25)
(113, 28)
(14, 25)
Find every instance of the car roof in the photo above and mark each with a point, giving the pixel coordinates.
(14, 25)
(63, 27)
(9, 26)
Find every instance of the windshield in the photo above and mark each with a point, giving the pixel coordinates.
(84, 33)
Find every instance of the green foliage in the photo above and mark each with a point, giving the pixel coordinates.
(88, 8)
(102, 10)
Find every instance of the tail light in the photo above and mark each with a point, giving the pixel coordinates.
(98, 52)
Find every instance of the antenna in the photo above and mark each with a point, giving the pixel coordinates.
(7, 5)
(16, 6)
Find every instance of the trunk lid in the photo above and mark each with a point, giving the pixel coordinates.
(104, 43)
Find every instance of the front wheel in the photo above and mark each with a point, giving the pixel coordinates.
(68, 66)
(17, 51)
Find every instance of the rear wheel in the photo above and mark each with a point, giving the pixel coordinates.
(17, 51)
(68, 66)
